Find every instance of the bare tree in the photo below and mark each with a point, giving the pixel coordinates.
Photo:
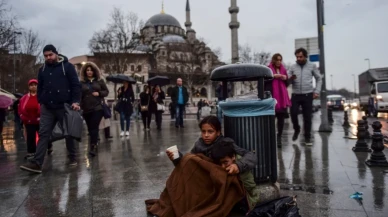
(114, 44)
(248, 55)
(8, 24)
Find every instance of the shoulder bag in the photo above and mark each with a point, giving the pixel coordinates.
(144, 108)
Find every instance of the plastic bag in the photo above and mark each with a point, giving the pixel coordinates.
(281, 207)
(205, 111)
(73, 123)
(59, 132)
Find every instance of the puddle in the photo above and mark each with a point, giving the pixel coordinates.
(309, 189)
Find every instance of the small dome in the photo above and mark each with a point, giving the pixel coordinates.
(173, 39)
(162, 20)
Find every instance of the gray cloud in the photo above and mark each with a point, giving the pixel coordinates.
(355, 29)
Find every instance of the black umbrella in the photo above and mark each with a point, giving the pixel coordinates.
(159, 80)
(18, 95)
(120, 79)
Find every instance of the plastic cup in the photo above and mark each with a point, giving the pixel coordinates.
(174, 149)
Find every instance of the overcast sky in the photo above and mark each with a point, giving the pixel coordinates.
(355, 29)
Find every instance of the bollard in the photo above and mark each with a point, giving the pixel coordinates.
(361, 145)
(367, 135)
(346, 119)
(330, 116)
(377, 158)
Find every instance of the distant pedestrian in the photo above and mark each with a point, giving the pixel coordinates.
(58, 84)
(157, 105)
(303, 92)
(94, 90)
(278, 88)
(125, 107)
(145, 100)
(179, 98)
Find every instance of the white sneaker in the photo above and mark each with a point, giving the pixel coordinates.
(122, 133)
(127, 133)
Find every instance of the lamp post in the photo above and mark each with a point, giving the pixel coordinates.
(14, 59)
(325, 126)
(354, 81)
(332, 86)
(367, 59)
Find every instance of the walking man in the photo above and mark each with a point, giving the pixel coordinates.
(179, 98)
(303, 92)
(58, 84)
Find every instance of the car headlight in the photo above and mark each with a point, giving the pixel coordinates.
(354, 104)
(379, 97)
(346, 104)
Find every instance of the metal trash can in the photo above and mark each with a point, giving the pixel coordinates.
(251, 122)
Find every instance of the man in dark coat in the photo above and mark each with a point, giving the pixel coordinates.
(179, 98)
(58, 84)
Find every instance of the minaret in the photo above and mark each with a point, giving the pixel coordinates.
(234, 25)
(190, 33)
(188, 16)
(162, 12)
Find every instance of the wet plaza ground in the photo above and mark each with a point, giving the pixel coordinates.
(128, 171)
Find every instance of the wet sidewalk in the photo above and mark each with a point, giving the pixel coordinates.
(128, 171)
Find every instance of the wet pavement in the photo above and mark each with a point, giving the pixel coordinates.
(128, 171)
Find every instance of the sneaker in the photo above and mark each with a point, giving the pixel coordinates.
(31, 167)
(29, 156)
(122, 134)
(296, 135)
(308, 142)
(72, 162)
(127, 133)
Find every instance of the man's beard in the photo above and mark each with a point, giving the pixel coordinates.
(50, 61)
(301, 62)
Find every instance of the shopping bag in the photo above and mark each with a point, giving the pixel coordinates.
(73, 123)
(205, 111)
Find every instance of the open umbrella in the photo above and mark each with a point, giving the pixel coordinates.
(159, 80)
(5, 101)
(120, 79)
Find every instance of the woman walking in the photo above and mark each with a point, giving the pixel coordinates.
(278, 88)
(125, 107)
(93, 92)
(145, 99)
(157, 105)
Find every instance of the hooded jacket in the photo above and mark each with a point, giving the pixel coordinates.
(27, 117)
(58, 84)
(303, 83)
(89, 102)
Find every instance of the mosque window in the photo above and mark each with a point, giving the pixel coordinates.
(139, 68)
(132, 68)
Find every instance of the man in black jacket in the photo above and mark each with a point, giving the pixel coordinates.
(179, 98)
(58, 84)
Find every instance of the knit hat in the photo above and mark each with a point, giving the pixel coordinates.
(32, 81)
(51, 48)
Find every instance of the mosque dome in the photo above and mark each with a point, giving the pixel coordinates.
(163, 19)
(173, 39)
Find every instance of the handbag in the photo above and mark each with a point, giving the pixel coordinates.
(160, 107)
(106, 110)
(144, 108)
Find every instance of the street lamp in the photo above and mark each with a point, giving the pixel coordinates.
(354, 81)
(325, 126)
(332, 86)
(14, 60)
(367, 59)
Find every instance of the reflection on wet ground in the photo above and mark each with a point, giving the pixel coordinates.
(128, 171)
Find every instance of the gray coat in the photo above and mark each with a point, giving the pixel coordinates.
(304, 78)
(247, 162)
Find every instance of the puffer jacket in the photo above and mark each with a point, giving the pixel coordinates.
(303, 83)
(89, 102)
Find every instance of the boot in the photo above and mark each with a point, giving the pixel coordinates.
(93, 150)
(279, 141)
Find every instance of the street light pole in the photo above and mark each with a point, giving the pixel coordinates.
(325, 126)
(332, 86)
(354, 81)
(367, 59)
(14, 59)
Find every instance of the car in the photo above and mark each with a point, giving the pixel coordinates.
(335, 102)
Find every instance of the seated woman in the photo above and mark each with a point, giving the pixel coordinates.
(210, 136)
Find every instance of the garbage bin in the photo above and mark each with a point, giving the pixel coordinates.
(251, 122)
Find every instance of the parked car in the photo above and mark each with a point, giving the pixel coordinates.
(336, 102)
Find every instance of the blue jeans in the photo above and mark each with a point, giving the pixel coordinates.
(123, 118)
(180, 109)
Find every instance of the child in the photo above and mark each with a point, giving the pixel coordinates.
(210, 136)
(224, 155)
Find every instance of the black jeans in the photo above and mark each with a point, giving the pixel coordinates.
(280, 116)
(180, 109)
(158, 119)
(306, 102)
(31, 130)
(93, 120)
(146, 117)
(48, 119)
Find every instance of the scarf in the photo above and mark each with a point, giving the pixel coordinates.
(279, 89)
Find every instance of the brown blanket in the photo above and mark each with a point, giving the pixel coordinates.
(197, 187)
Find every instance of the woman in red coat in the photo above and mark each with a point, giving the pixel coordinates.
(29, 112)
